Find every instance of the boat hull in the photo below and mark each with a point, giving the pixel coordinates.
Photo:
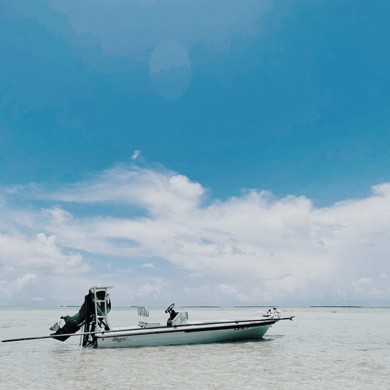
(183, 335)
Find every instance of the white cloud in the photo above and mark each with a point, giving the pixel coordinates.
(252, 248)
(38, 253)
(158, 192)
(149, 290)
(147, 265)
(135, 154)
(20, 282)
(231, 291)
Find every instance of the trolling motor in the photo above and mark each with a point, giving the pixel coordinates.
(92, 316)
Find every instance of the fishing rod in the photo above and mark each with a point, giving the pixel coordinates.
(124, 330)
(52, 336)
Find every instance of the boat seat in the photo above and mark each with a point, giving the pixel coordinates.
(180, 319)
(143, 311)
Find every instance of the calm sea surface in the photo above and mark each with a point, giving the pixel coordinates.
(323, 348)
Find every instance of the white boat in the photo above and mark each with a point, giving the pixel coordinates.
(93, 318)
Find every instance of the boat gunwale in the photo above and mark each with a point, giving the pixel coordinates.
(198, 328)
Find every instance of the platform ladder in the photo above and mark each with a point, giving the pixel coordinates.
(101, 314)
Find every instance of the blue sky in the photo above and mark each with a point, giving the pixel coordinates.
(227, 98)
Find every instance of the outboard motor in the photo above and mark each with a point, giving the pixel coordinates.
(92, 315)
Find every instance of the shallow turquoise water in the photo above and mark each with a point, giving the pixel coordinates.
(323, 348)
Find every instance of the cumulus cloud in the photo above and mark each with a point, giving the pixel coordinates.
(157, 192)
(38, 253)
(24, 258)
(23, 280)
(250, 248)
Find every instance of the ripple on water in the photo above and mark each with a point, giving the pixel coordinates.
(314, 351)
